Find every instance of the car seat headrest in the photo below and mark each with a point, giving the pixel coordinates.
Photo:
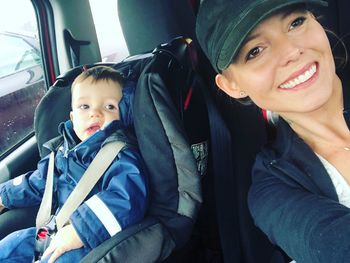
(178, 49)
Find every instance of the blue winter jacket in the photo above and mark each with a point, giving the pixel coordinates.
(118, 200)
(293, 200)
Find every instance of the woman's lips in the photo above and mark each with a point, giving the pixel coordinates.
(302, 78)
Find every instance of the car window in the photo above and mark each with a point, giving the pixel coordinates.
(22, 82)
(109, 33)
(16, 54)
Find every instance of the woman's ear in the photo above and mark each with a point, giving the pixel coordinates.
(71, 116)
(229, 86)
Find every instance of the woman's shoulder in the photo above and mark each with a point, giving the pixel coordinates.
(270, 153)
(285, 141)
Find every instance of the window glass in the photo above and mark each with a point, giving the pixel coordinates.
(109, 33)
(22, 81)
(16, 53)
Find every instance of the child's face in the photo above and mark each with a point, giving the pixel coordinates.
(94, 105)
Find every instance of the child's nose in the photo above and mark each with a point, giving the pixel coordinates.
(95, 112)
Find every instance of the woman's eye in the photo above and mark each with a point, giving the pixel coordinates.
(297, 22)
(253, 53)
(83, 106)
(110, 107)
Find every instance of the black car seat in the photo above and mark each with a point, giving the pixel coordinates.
(145, 24)
(169, 116)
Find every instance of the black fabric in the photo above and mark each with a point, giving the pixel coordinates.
(148, 241)
(344, 19)
(161, 115)
(227, 218)
(16, 219)
(248, 134)
(46, 125)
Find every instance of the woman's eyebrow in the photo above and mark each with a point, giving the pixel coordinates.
(291, 11)
(284, 15)
(250, 38)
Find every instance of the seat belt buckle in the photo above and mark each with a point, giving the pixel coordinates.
(43, 237)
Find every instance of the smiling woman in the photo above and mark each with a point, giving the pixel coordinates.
(278, 54)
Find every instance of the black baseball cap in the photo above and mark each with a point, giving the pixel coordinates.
(223, 25)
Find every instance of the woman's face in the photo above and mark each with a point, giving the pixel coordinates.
(286, 65)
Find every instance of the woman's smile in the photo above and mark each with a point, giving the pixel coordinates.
(301, 79)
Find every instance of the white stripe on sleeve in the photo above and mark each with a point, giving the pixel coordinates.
(104, 215)
(18, 180)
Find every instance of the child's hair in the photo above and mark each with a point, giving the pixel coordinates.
(100, 73)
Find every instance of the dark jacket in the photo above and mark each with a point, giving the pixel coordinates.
(118, 200)
(293, 200)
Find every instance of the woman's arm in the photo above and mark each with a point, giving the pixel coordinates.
(307, 226)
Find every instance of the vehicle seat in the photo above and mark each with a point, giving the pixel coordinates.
(165, 104)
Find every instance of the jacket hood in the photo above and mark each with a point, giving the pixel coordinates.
(126, 103)
(112, 132)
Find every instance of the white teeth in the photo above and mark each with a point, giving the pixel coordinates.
(300, 79)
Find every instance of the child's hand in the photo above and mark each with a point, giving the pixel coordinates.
(2, 207)
(65, 240)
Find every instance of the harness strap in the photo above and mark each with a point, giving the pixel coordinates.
(44, 212)
(224, 181)
(93, 173)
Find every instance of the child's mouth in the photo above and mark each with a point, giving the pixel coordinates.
(92, 129)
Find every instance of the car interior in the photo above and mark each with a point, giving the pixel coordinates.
(198, 144)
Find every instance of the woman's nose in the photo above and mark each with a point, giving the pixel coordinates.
(289, 51)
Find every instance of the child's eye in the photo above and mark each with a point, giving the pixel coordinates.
(110, 107)
(83, 106)
(297, 22)
(253, 53)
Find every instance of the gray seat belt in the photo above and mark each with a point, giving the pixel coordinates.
(93, 173)
(44, 212)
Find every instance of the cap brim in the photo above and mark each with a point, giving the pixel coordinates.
(240, 30)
